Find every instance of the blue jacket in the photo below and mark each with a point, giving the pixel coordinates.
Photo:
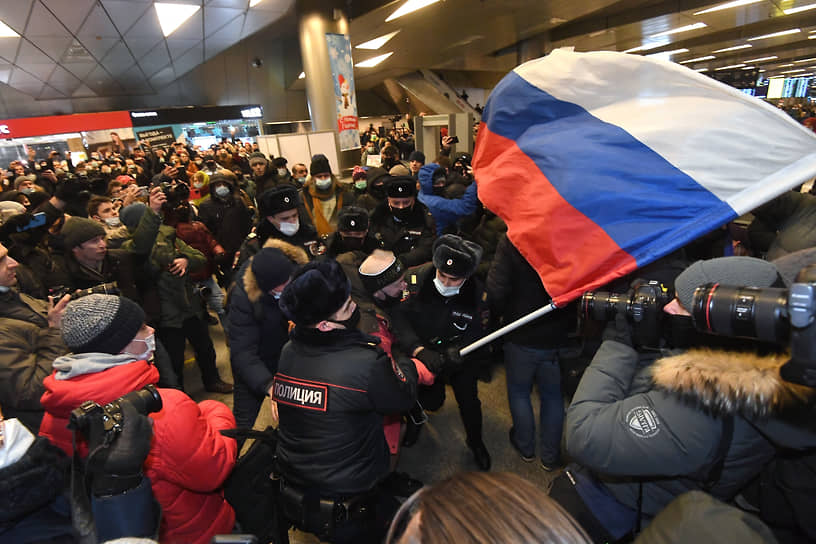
(445, 211)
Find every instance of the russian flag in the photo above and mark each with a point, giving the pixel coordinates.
(602, 162)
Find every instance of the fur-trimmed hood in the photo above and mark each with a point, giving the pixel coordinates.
(295, 254)
(730, 382)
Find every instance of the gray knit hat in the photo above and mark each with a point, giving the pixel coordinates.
(101, 324)
(742, 271)
(79, 230)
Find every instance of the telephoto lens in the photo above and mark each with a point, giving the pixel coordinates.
(748, 312)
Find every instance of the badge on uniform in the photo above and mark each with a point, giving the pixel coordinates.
(300, 394)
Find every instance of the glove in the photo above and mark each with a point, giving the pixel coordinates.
(118, 467)
(453, 360)
(619, 330)
(433, 360)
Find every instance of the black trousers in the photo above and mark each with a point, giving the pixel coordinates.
(466, 391)
(245, 404)
(196, 331)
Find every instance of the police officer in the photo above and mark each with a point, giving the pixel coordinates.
(445, 311)
(332, 388)
(403, 225)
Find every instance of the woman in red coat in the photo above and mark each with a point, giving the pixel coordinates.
(189, 459)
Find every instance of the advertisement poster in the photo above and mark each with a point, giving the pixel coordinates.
(342, 69)
(157, 136)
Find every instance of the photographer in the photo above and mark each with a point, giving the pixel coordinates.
(188, 458)
(647, 426)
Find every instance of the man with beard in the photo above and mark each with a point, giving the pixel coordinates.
(403, 225)
(647, 426)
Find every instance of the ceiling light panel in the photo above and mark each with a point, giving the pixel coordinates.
(678, 30)
(409, 7)
(698, 59)
(761, 59)
(370, 63)
(791, 11)
(376, 43)
(172, 16)
(775, 34)
(735, 48)
(6, 31)
(727, 5)
(729, 67)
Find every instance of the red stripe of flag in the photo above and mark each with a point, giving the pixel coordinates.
(569, 251)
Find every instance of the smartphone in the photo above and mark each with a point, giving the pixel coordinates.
(38, 220)
(144, 191)
(454, 139)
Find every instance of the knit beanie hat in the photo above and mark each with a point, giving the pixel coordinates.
(257, 157)
(417, 155)
(380, 269)
(456, 256)
(79, 230)
(317, 291)
(320, 165)
(132, 214)
(9, 209)
(101, 324)
(271, 268)
(747, 271)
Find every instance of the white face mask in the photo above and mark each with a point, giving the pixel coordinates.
(289, 229)
(444, 290)
(323, 184)
(222, 191)
(282, 172)
(150, 347)
(198, 184)
(112, 221)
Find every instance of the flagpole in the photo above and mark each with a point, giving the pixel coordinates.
(507, 328)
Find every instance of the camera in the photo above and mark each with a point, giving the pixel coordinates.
(145, 401)
(60, 291)
(175, 193)
(778, 315)
(642, 305)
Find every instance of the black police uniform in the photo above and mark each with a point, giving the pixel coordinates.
(332, 390)
(428, 319)
(412, 239)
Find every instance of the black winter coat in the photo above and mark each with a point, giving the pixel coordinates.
(411, 240)
(229, 220)
(333, 389)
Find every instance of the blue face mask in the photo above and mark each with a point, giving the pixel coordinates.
(444, 290)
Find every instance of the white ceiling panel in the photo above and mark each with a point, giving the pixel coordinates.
(29, 88)
(49, 93)
(81, 69)
(5, 72)
(98, 77)
(212, 47)
(163, 78)
(237, 4)
(98, 24)
(41, 71)
(155, 60)
(189, 60)
(117, 59)
(83, 90)
(28, 53)
(191, 29)
(215, 18)
(273, 5)
(71, 14)
(256, 20)
(147, 27)
(8, 48)
(43, 23)
(179, 47)
(15, 13)
(53, 47)
(125, 14)
(98, 47)
(140, 47)
(21, 77)
(61, 76)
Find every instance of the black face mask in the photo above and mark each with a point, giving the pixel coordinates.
(439, 190)
(402, 214)
(352, 321)
(349, 243)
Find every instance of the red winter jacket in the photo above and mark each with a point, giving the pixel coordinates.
(188, 460)
(198, 236)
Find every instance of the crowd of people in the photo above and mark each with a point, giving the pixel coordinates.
(345, 305)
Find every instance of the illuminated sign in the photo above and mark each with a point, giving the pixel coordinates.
(4, 129)
(251, 112)
(144, 114)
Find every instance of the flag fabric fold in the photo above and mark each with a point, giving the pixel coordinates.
(602, 162)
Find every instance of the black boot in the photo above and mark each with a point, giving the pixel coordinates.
(480, 454)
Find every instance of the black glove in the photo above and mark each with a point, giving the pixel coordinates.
(68, 189)
(453, 360)
(433, 360)
(619, 330)
(116, 468)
